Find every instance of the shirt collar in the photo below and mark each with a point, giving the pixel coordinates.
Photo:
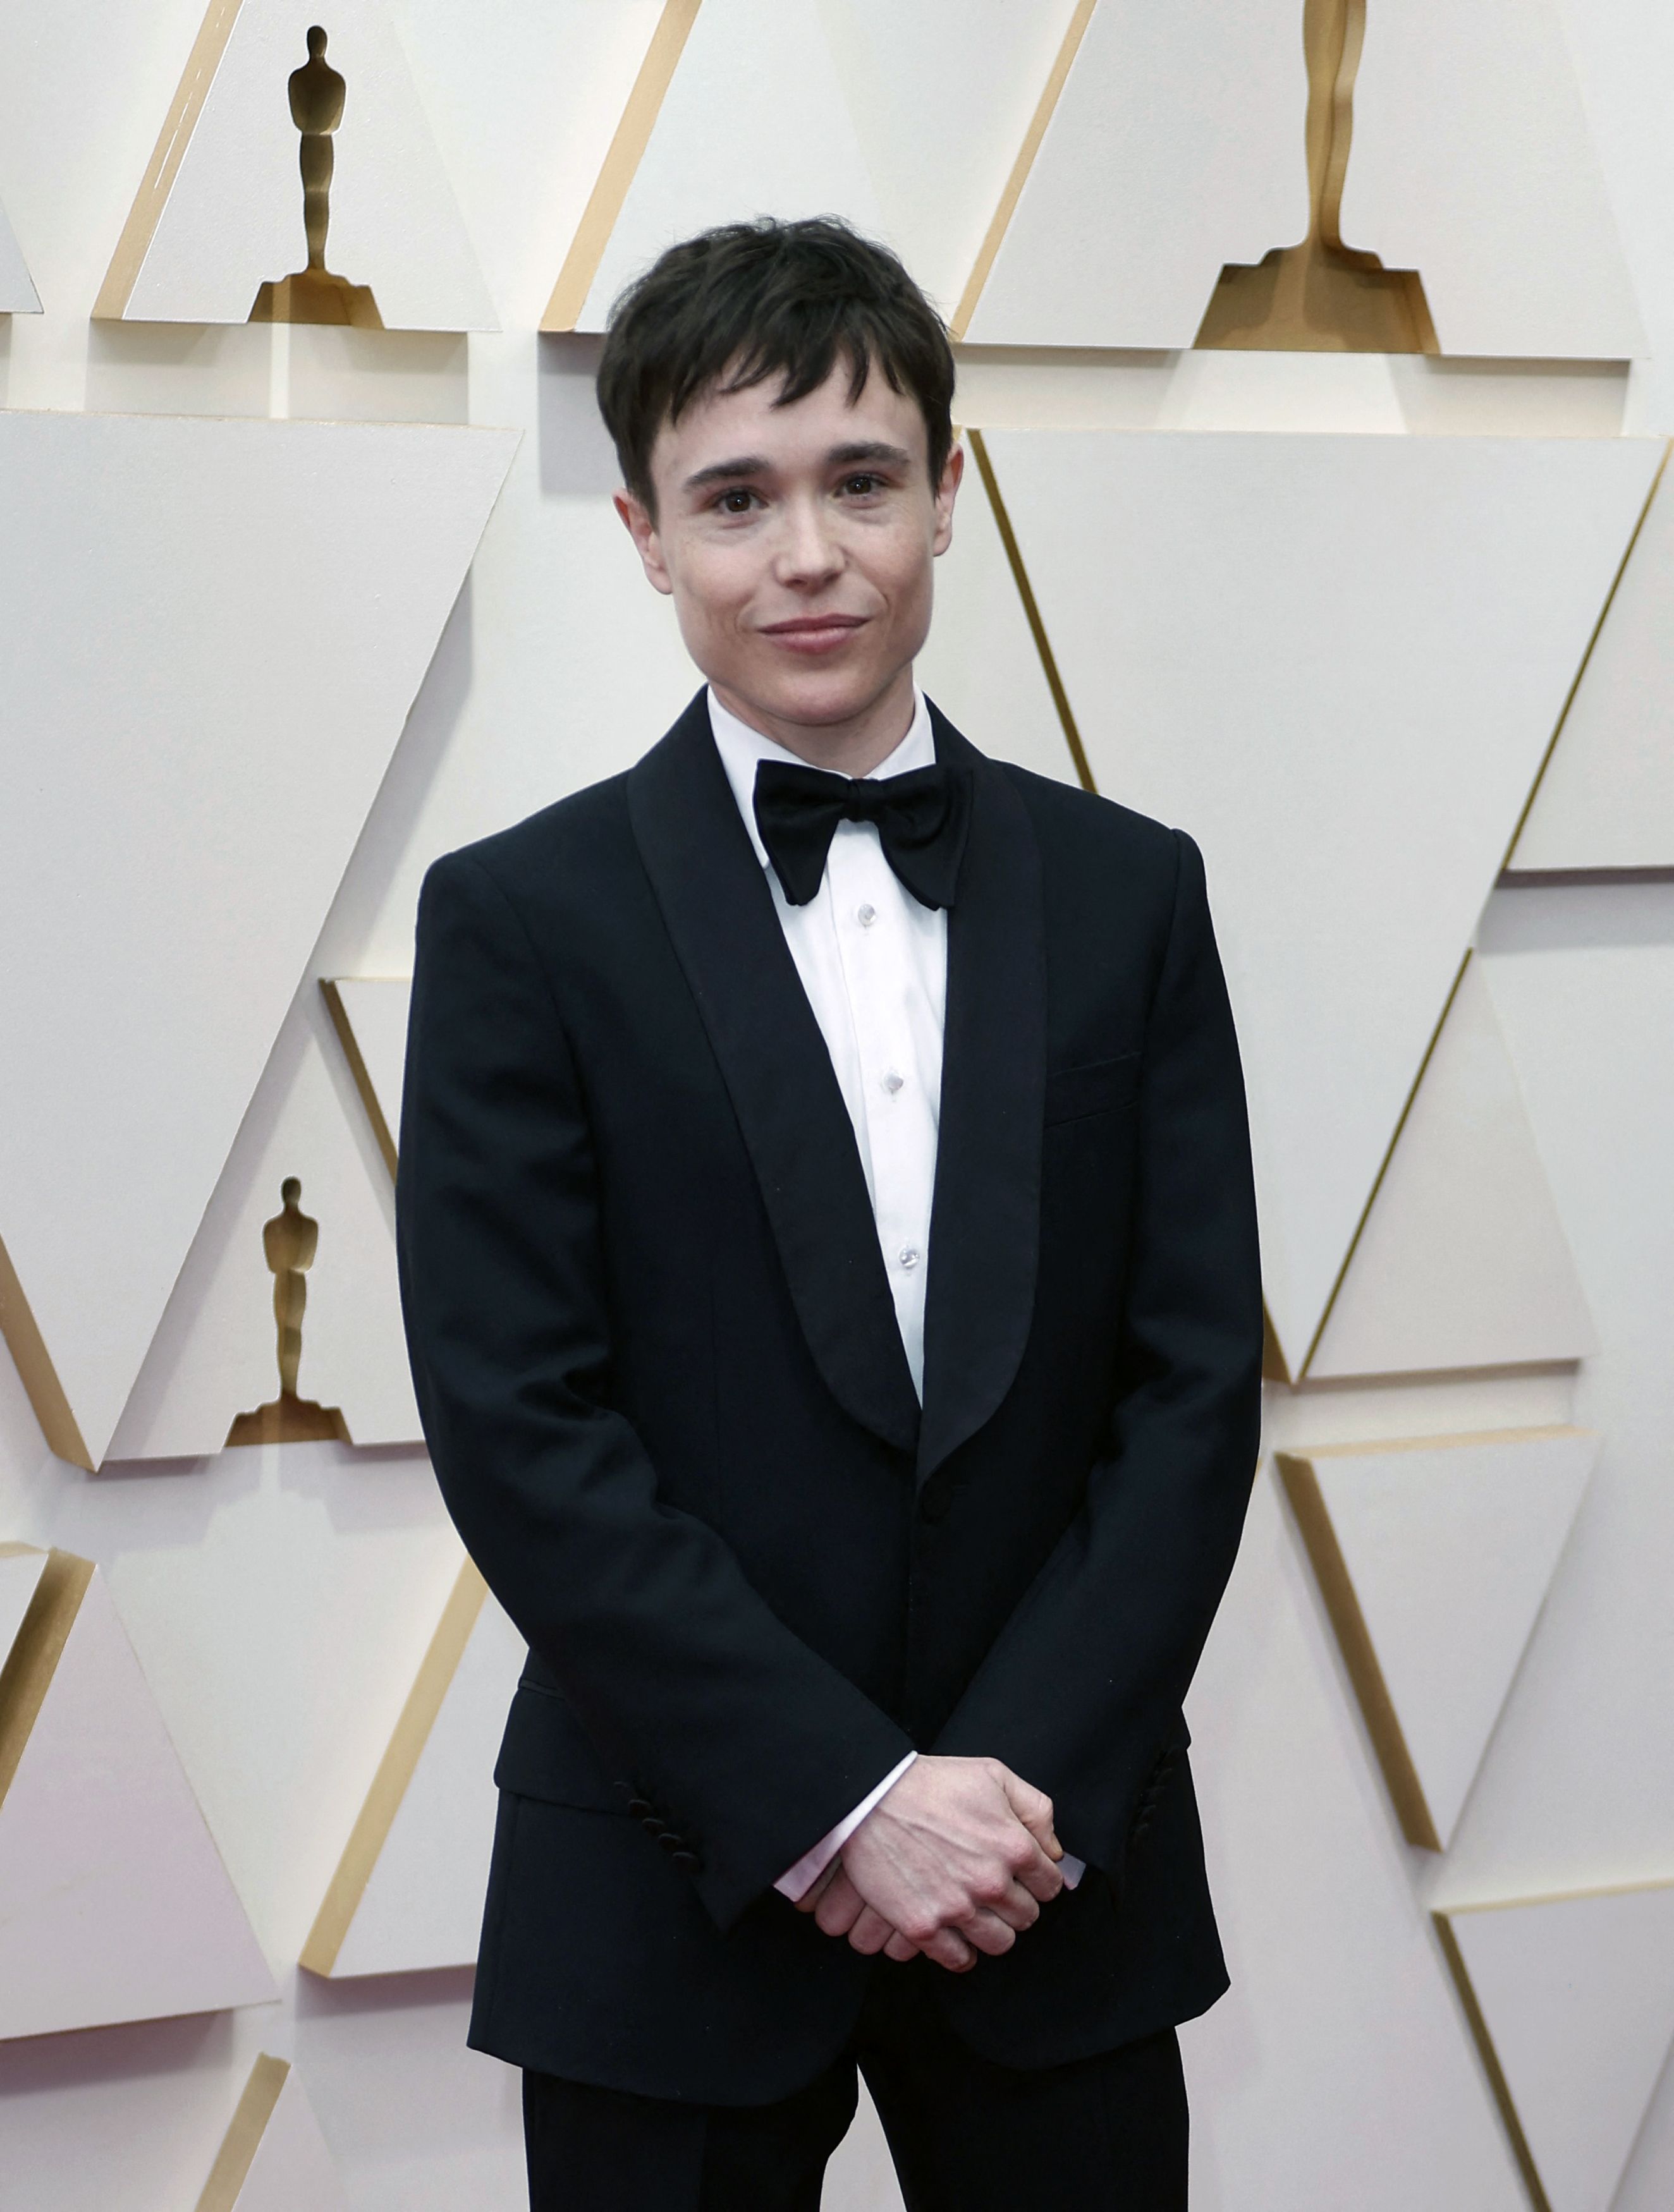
(743, 749)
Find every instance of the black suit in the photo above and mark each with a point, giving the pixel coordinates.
(668, 1406)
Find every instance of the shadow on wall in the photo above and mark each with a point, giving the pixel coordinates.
(577, 459)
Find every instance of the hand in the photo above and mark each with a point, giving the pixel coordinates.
(956, 1858)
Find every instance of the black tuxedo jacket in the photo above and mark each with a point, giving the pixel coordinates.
(668, 1408)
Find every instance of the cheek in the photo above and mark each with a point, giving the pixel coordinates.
(712, 583)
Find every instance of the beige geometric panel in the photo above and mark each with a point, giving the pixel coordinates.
(1433, 1559)
(216, 628)
(408, 1891)
(114, 1904)
(18, 296)
(942, 95)
(1337, 2075)
(1572, 2002)
(1462, 1261)
(273, 2157)
(980, 663)
(1607, 798)
(1473, 162)
(682, 159)
(215, 1353)
(369, 1014)
(21, 1570)
(1168, 142)
(219, 213)
(1336, 661)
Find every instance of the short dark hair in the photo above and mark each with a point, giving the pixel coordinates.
(750, 301)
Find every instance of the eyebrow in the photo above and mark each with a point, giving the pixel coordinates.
(839, 456)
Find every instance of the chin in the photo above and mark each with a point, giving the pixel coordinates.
(817, 696)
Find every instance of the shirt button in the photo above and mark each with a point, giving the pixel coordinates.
(893, 1081)
(866, 916)
(907, 1255)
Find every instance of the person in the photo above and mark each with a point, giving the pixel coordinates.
(829, 1257)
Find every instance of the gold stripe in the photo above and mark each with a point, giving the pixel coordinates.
(1377, 1184)
(244, 2134)
(34, 1364)
(39, 1645)
(621, 165)
(1586, 657)
(358, 1069)
(1031, 611)
(1020, 168)
(1491, 2066)
(169, 152)
(1307, 1503)
(1535, 1436)
(395, 1771)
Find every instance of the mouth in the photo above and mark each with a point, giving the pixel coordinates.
(813, 634)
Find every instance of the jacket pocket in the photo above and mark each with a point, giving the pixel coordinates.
(546, 1755)
(1100, 1087)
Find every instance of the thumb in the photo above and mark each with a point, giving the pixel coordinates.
(1033, 1807)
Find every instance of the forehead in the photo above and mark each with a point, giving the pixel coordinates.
(720, 425)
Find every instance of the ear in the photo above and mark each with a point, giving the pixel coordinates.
(638, 520)
(946, 492)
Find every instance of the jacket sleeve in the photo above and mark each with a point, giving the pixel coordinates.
(1080, 1693)
(689, 1686)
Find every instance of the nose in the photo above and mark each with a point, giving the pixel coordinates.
(807, 554)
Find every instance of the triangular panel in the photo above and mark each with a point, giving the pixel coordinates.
(215, 1354)
(369, 1014)
(114, 1904)
(1336, 661)
(1435, 1560)
(1607, 798)
(18, 296)
(217, 628)
(273, 2157)
(1572, 2000)
(1472, 161)
(408, 1891)
(1168, 142)
(1462, 1261)
(683, 160)
(219, 212)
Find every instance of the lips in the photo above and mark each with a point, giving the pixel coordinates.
(813, 633)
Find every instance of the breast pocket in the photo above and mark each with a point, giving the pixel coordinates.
(1102, 1086)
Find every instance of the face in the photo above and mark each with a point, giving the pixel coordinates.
(797, 544)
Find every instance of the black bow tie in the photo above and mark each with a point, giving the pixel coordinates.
(922, 819)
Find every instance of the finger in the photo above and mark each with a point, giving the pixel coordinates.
(900, 1948)
(948, 1948)
(985, 1931)
(1014, 1905)
(840, 1907)
(1042, 1877)
(870, 1933)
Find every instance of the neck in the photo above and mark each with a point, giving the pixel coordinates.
(853, 747)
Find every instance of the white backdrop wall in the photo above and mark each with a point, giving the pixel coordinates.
(280, 1600)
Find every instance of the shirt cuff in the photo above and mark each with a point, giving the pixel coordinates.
(796, 1881)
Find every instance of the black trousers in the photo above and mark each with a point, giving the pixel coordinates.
(1104, 2135)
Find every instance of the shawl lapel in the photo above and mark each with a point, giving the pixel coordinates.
(985, 1222)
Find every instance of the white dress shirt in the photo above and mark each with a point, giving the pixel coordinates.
(873, 963)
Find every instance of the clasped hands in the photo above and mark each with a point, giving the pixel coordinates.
(956, 1858)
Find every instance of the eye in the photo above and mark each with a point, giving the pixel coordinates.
(735, 500)
(863, 484)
